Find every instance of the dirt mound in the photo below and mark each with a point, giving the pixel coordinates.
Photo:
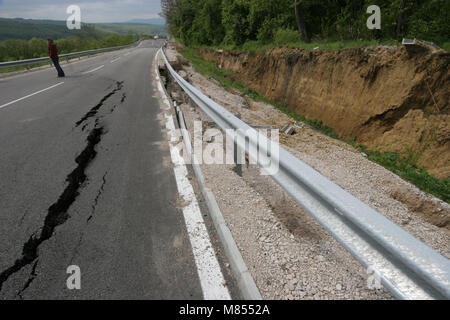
(385, 97)
(428, 208)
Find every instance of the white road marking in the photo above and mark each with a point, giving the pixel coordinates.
(30, 95)
(162, 93)
(126, 54)
(93, 70)
(208, 268)
(112, 61)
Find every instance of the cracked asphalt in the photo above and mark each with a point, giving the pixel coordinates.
(84, 180)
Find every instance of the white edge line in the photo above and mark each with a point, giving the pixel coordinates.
(208, 268)
(30, 95)
(98, 68)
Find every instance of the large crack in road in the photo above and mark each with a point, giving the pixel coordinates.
(94, 110)
(97, 197)
(57, 212)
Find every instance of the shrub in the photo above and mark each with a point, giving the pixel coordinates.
(286, 36)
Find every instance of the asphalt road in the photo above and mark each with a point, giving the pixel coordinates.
(86, 180)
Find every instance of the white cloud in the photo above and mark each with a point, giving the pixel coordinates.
(91, 10)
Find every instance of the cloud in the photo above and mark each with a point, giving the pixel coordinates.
(91, 10)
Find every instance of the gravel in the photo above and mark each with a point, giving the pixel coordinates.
(288, 253)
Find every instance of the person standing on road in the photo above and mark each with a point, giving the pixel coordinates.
(53, 54)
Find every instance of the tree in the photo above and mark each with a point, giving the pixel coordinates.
(301, 21)
(235, 22)
(400, 19)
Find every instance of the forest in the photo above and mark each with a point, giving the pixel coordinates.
(56, 29)
(27, 28)
(18, 49)
(235, 22)
(26, 38)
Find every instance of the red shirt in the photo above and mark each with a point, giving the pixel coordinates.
(52, 51)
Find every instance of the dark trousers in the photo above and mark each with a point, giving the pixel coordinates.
(58, 67)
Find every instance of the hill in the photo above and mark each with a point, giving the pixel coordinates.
(27, 29)
(126, 28)
(154, 21)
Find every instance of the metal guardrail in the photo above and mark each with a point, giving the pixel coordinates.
(27, 62)
(408, 268)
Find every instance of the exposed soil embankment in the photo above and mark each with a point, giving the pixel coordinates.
(287, 252)
(385, 97)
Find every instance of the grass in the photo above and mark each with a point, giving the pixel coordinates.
(21, 68)
(256, 46)
(446, 46)
(405, 166)
(289, 38)
(402, 164)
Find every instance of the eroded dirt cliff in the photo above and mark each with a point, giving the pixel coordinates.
(385, 97)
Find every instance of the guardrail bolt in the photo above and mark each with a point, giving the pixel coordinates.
(192, 104)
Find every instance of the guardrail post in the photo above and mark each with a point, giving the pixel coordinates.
(238, 166)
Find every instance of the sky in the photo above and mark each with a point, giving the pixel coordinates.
(91, 10)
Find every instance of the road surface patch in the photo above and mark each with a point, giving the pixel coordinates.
(93, 70)
(30, 95)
